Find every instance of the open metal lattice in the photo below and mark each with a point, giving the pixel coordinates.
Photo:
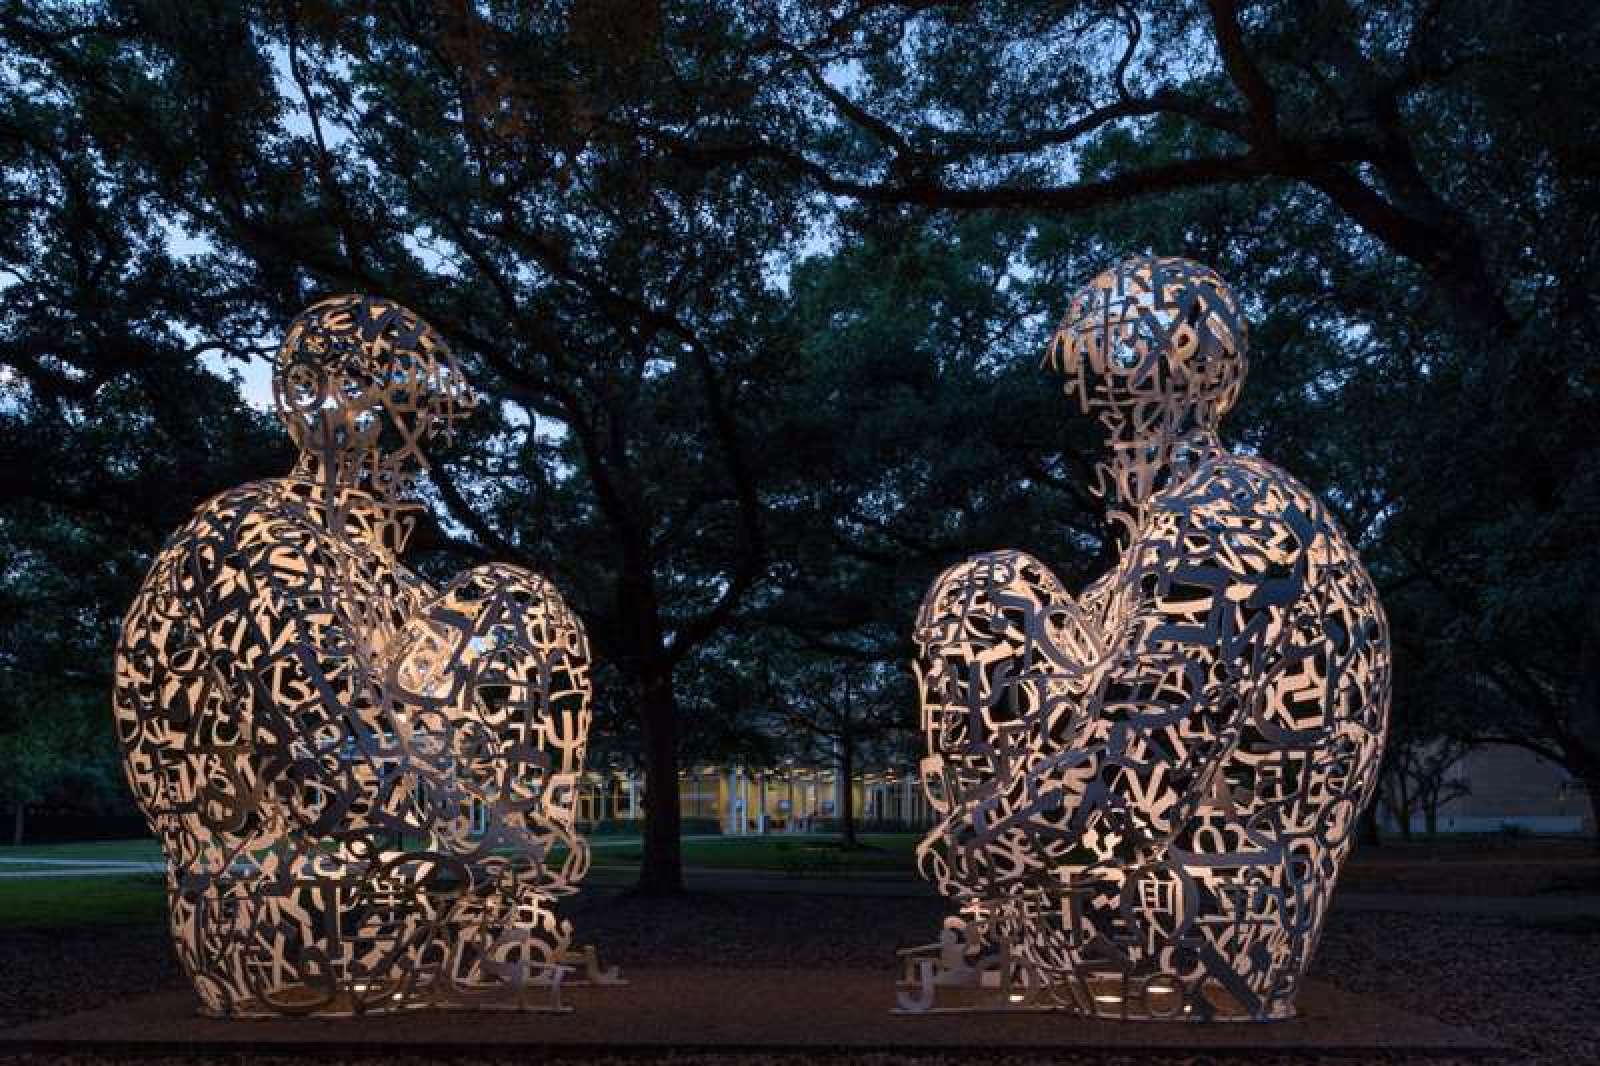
(364, 786)
(1146, 791)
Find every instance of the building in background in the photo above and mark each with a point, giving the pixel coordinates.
(1508, 788)
(737, 800)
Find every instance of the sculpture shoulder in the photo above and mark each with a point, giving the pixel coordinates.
(1242, 513)
(263, 531)
(243, 515)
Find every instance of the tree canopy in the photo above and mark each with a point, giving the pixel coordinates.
(761, 289)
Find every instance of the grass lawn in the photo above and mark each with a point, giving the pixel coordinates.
(799, 854)
(146, 850)
(71, 901)
(129, 899)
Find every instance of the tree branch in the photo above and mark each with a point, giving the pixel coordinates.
(852, 111)
(468, 516)
(325, 176)
(1242, 69)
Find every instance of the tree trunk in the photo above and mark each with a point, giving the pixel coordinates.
(1592, 787)
(661, 872)
(1583, 754)
(18, 815)
(847, 791)
(1367, 835)
(1403, 807)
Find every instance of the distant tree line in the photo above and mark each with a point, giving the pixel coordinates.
(761, 288)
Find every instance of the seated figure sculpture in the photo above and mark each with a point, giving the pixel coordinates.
(364, 786)
(1146, 792)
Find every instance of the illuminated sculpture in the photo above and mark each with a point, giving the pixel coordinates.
(1146, 792)
(364, 786)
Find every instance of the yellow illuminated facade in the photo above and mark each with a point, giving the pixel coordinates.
(744, 800)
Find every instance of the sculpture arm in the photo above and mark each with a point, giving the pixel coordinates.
(1209, 597)
(1003, 653)
(1053, 737)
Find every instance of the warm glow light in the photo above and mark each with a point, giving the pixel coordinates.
(1098, 761)
(287, 690)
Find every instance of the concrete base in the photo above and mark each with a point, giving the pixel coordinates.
(693, 1009)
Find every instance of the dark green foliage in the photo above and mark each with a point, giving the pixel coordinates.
(763, 289)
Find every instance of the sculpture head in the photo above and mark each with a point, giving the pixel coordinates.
(1154, 347)
(361, 383)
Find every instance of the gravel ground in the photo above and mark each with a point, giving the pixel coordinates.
(1506, 877)
(1529, 985)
